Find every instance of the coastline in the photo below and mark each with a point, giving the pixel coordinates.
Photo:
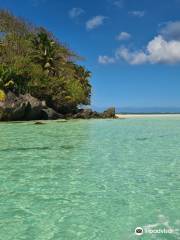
(130, 116)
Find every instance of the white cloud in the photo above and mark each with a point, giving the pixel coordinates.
(163, 48)
(158, 50)
(76, 12)
(106, 60)
(133, 58)
(171, 30)
(95, 22)
(118, 3)
(137, 13)
(123, 36)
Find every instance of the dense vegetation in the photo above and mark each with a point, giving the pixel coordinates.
(33, 61)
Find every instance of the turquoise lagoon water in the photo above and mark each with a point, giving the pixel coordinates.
(91, 179)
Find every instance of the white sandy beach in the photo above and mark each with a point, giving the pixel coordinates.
(125, 116)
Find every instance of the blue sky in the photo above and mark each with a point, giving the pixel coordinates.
(132, 47)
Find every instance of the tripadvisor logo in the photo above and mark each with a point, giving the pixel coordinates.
(139, 231)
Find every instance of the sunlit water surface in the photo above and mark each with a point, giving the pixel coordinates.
(91, 179)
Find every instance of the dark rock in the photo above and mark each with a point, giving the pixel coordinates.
(13, 108)
(34, 107)
(109, 113)
(22, 107)
(70, 115)
(95, 114)
(88, 113)
(26, 107)
(84, 113)
(49, 113)
(39, 123)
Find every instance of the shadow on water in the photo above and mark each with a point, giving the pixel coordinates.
(161, 136)
(142, 139)
(24, 149)
(67, 147)
(35, 148)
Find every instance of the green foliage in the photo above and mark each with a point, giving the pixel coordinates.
(32, 60)
(12, 80)
(44, 52)
(2, 96)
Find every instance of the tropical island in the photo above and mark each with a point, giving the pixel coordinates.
(39, 76)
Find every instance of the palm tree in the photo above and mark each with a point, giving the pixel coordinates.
(50, 54)
(44, 53)
(83, 76)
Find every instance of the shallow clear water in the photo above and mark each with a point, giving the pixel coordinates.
(91, 179)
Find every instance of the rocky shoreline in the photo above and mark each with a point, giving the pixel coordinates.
(26, 108)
